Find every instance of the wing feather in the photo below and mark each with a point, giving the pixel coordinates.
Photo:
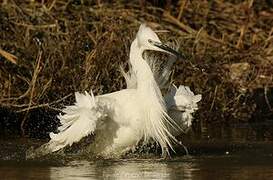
(77, 121)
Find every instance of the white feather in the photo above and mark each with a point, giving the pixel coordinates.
(128, 115)
(181, 103)
(79, 121)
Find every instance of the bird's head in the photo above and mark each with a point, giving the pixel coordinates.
(147, 39)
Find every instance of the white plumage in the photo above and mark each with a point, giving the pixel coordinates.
(121, 119)
(181, 103)
(78, 121)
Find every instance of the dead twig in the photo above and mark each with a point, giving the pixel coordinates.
(45, 104)
(35, 27)
(188, 29)
(32, 88)
(8, 56)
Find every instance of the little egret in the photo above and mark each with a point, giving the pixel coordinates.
(119, 120)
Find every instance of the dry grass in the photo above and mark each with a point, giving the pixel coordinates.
(65, 46)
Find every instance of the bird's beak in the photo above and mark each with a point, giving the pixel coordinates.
(165, 48)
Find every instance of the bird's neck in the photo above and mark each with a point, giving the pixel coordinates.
(144, 74)
(153, 105)
(147, 86)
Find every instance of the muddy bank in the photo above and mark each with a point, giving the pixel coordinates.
(50, 49)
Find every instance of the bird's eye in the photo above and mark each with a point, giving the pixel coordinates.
(150, 41)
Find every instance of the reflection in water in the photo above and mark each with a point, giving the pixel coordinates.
(198, 167)
(226, 167)
(126, 169)
(137, 170)
(113, 170)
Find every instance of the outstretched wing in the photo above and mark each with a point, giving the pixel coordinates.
(77, 121)
(160, 66)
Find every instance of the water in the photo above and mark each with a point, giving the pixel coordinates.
(220, 153)
(195, 167)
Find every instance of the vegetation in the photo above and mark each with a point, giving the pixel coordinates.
(51, 48)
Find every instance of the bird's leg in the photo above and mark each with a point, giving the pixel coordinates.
(165, 153)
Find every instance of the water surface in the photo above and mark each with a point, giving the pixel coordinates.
(219, 153)
(190, 167)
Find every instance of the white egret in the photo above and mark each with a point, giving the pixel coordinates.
(121, 119)
(180, 102)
